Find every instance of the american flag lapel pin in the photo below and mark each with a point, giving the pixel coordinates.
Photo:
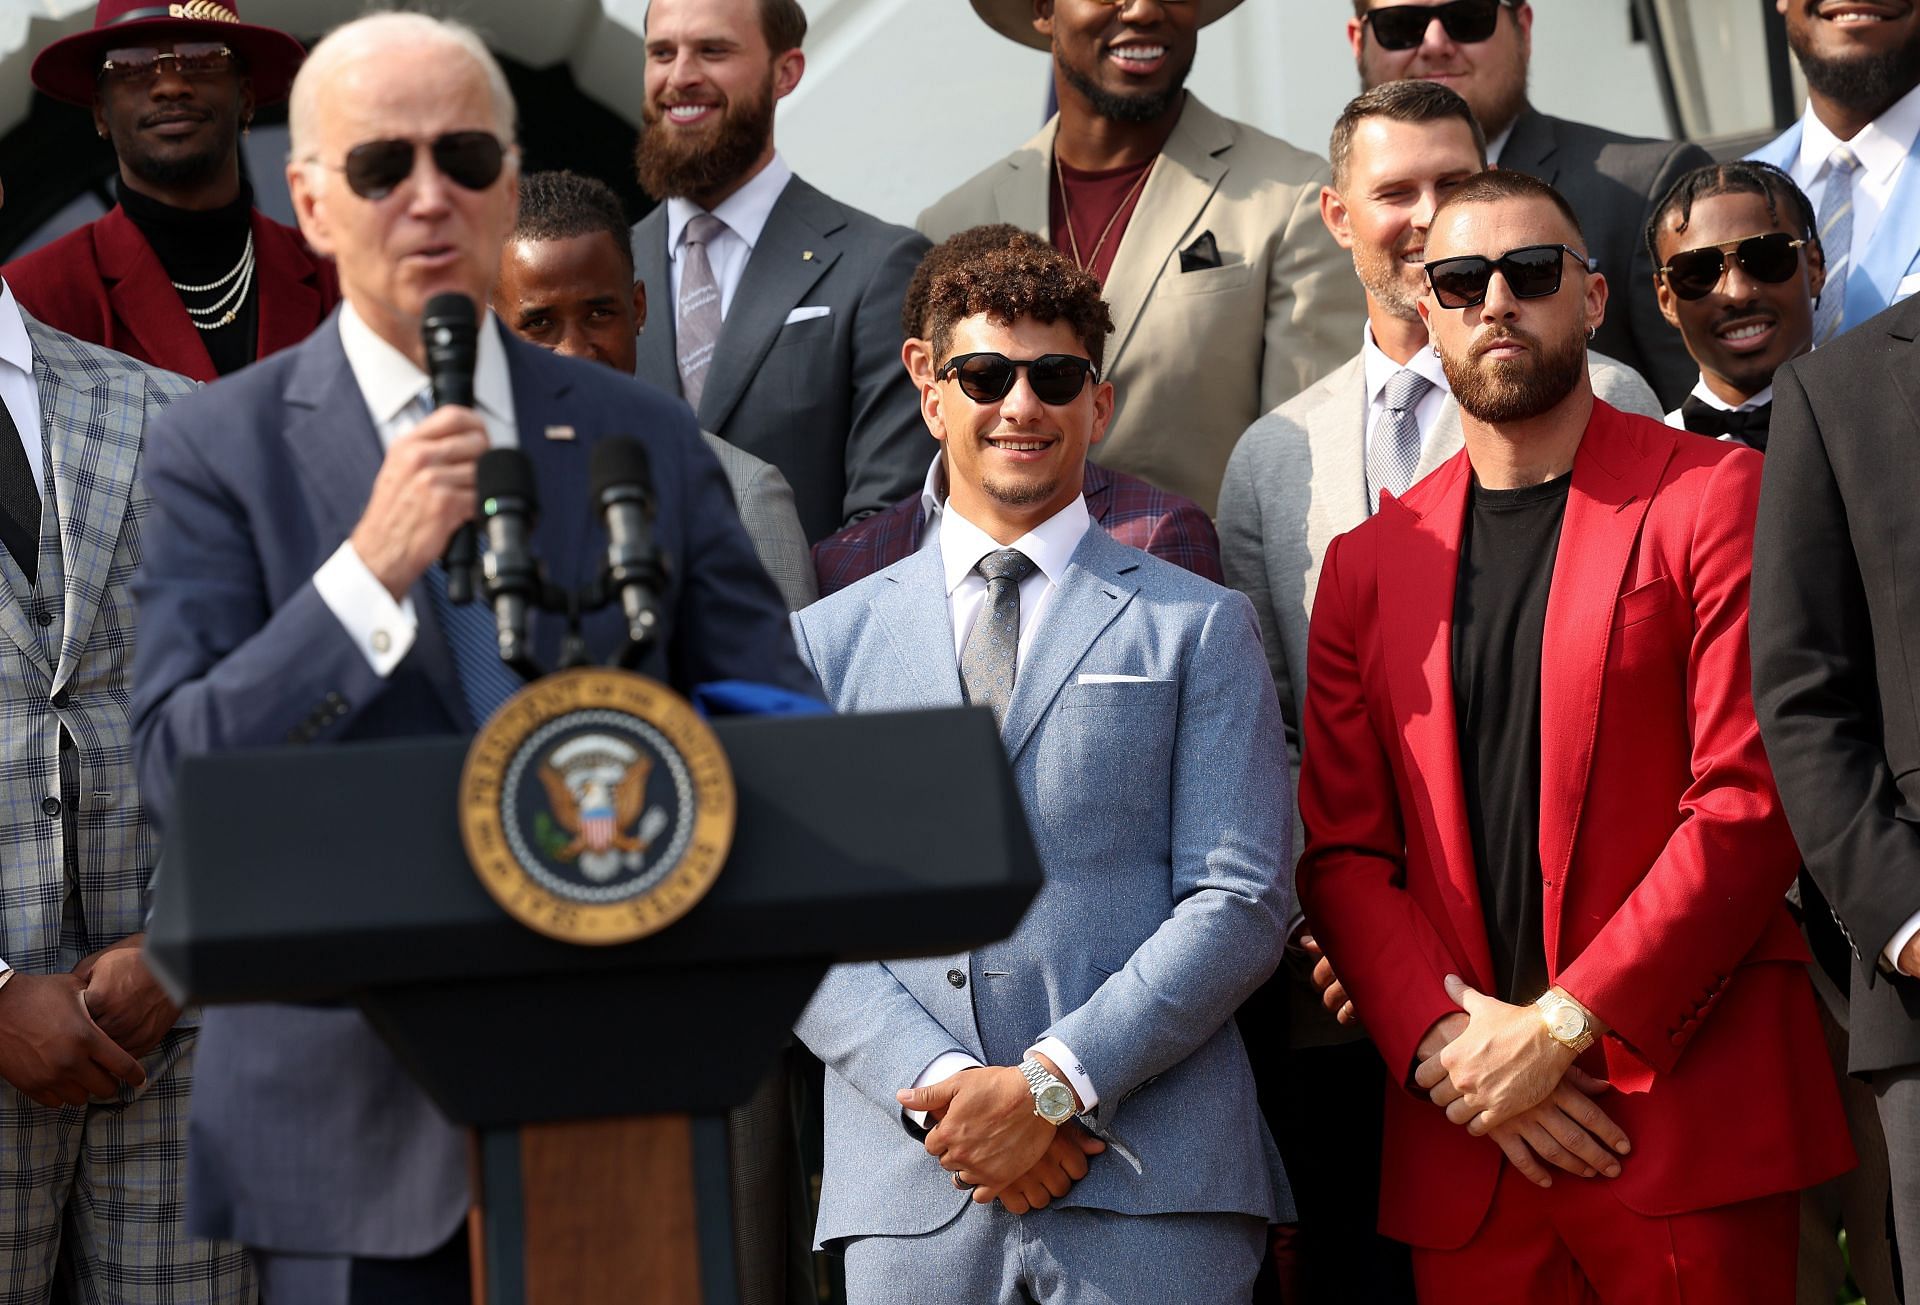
(560, 432)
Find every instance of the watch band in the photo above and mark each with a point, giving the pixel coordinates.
(1038, 1081)
(1549, 1004)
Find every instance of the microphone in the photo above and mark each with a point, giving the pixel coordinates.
(451, 333)
(622, 485)
(509, 505)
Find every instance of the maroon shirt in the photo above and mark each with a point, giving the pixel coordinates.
(1094, 199)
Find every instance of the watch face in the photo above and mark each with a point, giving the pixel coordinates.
(1568, 1023)
(1055, 1101)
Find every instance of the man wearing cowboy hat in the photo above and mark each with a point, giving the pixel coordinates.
(184, 273)
(1204, 233)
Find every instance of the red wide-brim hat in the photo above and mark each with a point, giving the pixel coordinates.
(1013, 19)
(69, 69)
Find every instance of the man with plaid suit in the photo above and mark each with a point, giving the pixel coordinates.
(95, 1057)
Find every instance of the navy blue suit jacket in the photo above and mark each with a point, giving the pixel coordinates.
(306, 1136)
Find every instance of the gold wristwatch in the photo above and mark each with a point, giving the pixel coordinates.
(1567, 1022)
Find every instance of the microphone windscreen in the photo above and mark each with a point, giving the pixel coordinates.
(506, 473)
(619, 460)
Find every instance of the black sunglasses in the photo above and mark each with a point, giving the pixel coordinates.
(1531, 272)
(470, 159)
(1056, 378)
(193, 60)
(1771, 258)
(1467, 22)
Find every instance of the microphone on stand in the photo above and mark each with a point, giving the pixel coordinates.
(509, 505)
(622, 485)
(450, 330)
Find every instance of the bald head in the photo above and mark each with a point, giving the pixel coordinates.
(389, 33)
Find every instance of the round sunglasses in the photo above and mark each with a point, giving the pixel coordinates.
(1531, 272)
(1056, 378)
(471, 160)
(1466, 22)
(1771, 258)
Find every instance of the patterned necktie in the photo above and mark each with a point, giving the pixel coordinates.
(1749, 427)
(991, 655)
(1835, 223)
(698, 327)
(1393, 455)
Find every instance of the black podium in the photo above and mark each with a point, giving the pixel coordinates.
(326, 874)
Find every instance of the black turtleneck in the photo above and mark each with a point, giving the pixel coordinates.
(198, 248)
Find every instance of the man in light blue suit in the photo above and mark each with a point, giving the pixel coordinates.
(1082, 1078)
(1852, 152)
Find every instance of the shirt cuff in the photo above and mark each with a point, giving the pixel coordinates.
(1062, 1055)
(1898, 944)
(944, 1066)
(380, 628)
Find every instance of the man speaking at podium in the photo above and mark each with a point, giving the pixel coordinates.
(292, 592)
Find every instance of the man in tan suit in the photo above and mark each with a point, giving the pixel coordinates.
(1228, 296)
(1310, 470)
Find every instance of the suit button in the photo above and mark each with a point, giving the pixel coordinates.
(955, 977)
(43, 616)
(61, 699)
(51, 806)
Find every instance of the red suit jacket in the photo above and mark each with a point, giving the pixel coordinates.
(1664, 852)
(104, 284)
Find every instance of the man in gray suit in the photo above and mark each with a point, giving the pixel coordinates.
(1613, 181)
(785, 331)
(566, 284)
(1094, 1130)
(1312, 469)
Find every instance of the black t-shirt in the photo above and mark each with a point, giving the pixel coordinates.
(203, 248)
(1499, 616)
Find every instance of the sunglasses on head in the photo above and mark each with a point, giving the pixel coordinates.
(469, 159)
(191, 59)
(1404, 27)
(1531, 272)
(1771, 258)
(1056, 378)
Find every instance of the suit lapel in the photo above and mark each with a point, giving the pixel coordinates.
(1419, 563)
(290, 300)
(911, 607)
(1444, 440)
(1890, 254)
(656, 361)
(1098, 585)
(540, 387)
(1336, 446)
(1024, 193)
(1614, 478)
(144, 299)
(1532, 147)
(1906, 327)
(791, 255)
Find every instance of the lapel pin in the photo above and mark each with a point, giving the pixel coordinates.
(559, 432)
(806, 256)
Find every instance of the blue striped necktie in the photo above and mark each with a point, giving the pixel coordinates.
(1835, 222)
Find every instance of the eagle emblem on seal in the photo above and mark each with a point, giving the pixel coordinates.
(597, 790)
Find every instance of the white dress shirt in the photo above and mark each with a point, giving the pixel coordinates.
(389, 384)
(1497, 146)
(1881, 146)
(1050, 547)
(1712, 400)
(17, 388)
(745, 212)
(1380, 369)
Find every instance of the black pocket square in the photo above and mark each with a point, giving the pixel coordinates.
(1202, 254)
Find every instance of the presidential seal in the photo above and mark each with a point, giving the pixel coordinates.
(596, 806)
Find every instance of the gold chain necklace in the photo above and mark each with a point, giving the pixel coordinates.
(1066, 211)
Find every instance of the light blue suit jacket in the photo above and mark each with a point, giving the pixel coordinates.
(1893, 254)
(1163, 818)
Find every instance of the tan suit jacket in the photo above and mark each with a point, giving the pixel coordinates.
(1197, 356)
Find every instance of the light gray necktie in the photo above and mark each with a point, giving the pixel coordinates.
(698, 324)
(991, 655)
(1835, 223)
(1393, 454)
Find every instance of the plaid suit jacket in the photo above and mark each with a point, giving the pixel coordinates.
(1136, 513)
(66, 659)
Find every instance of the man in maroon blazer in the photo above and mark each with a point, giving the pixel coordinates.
(183, 273)
(1131, 510)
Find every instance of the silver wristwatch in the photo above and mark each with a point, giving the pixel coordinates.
(1052, 1099)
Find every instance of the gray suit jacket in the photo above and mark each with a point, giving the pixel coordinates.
(1613, 182)
(825, 399)
(1160, 811)
(766, 508)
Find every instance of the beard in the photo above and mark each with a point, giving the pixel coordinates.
(165, 172)
(1383, 275)
(670, 167)
(1519, 389)
(1017, 494)
(1141, 106)
(1868, 82)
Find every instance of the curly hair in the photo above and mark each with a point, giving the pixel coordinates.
(562, 205)
(1009, 284)
(956, 248)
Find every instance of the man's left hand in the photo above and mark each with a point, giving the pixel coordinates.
(124, 998)
(1503, 1064)
(988, 1134)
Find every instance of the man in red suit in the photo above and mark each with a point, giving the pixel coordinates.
(183, 273)
(1544, 852)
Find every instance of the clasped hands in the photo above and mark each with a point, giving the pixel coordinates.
(988, 1136)
(1495, 1069)
(65, 1038)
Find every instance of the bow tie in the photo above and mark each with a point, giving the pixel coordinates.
(1749, 427)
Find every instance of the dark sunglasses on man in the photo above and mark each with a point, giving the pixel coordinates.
(190, 59)
(1467, 22)
(1771, 258)
(1531, 272)
(1056, 378)
(470, 159)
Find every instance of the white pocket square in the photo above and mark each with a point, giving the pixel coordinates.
(1908, 287)
(806, 314)
(1115, 679)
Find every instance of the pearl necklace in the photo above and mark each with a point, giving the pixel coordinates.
(236, 283)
